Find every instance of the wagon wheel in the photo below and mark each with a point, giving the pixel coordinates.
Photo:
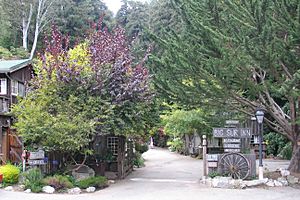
(235, 165)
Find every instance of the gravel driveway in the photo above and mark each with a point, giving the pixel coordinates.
(167, 176)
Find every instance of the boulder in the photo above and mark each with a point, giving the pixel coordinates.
(111, 175)
(90, 189)
(22, 187)
(221, 182)
(237, 184)
(111, 182)
(292, 179)
(284, 172)
(9, 188)
(270, 183)
(28, 191)
(48, 189)
(254, 183)
(75, 190)
(82, 172)
(283, 181)
(278, 183)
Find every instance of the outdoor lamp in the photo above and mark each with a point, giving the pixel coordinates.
(259, 116)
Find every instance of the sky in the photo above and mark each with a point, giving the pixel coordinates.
(114, 5)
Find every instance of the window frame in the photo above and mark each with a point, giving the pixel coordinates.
(4, 87)
(14, 87)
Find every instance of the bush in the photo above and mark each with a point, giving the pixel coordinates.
(10, 174)
(19, 52)
(59, 182)
(97, 182)
(287, 151)
(141, 148)
(32, 179)
(175, 145)
(275, 143)
(5, 53)
(138, 160)
(213, 174)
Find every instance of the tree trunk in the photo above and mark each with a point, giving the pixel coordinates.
(295, 161)
(25, 25)
(36, 35)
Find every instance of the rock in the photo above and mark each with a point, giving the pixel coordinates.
(111, 175)
(221, 182)
(75, 190)
(9, 188)
(283, 181)
(82, 173)
(22, 187)
(284, 172)
(292, 179)
(237, 184)
(90, 189)
(28, 191)
(48, 189)
(278, 183)
(111, 182)
(254, 183)
(270, 183)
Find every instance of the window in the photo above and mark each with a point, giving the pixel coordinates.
(21, 89)
(112, 145)
(14, 87)
(3, 105)
(3, 86)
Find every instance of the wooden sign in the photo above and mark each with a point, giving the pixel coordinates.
(36, 158)
(35, 155)
(232, 140)
(211, 157)
(212, 164)
(232, 132)
(232, 122)
(232, 150)
(36, 162)
(231, 146)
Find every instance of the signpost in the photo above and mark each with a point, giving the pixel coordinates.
(232, 137)
(232, 132)
(36, 158)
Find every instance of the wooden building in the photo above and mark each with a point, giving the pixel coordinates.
(113, 156)
(13, 76)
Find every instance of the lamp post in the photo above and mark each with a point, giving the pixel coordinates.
(260, 117)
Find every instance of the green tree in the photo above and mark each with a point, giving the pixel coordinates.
(74, 17)
(240, 53)
(78, 93)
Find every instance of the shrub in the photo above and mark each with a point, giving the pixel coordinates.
(275, 143)
(175, 145)
(141, 148)
(138, 160)
(10, 174)
(5, 53)
(213, 174)
(32, 179)
(19, 52)
(286, 152)
(59, 182)
(97, 182)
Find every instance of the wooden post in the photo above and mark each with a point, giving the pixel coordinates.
(204, 144)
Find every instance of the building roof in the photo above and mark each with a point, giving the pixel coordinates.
(13, 65)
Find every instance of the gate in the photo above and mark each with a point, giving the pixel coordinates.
(15, 146)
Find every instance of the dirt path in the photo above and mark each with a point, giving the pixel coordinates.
(167, 176)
